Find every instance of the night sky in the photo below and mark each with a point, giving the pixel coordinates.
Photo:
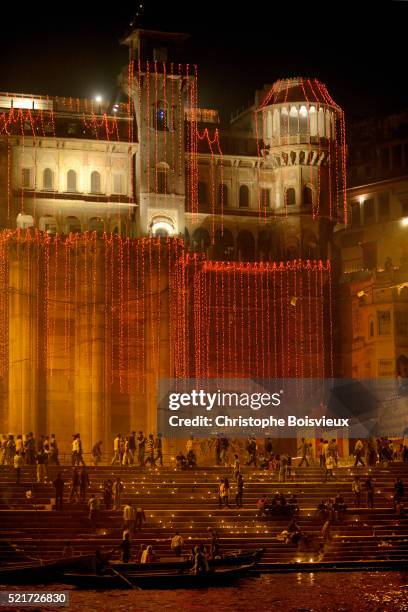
(73, 49)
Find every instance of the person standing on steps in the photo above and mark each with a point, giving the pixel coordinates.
(158, 445)
(304, 450)
(240, 491)
(84, 483)
(141, 445)
(59, 491)
(118, 488)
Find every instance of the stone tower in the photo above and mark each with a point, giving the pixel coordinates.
(160, 89)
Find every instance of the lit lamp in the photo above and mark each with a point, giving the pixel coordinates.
(98, 100)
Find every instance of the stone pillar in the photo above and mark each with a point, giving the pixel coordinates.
(23, 350)
(157, 334)
(92, 392)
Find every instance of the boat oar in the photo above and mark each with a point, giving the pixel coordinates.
(122, 577)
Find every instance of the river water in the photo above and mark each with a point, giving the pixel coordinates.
(302, 592)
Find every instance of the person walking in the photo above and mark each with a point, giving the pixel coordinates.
(150, 450)
(59, 491)
(141, 445)
(158, 445)
(358, 453)
(127, 458)
(118, 488)
(304, 450)
(84, 484)
(116, 450)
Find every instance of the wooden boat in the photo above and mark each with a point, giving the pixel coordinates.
(230, 559)
(156, 580)
(29, 573)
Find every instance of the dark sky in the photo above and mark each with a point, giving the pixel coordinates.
(73, 49)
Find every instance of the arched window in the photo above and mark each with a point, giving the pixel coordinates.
(244, 196)
(95, 182)
(162, 226)
(72, 181)
(202, 193)
(303, 121)
(72, 225)
(307, 196)
(223, 195)
(224, 245)
(293, 121)
(200, 240)
(24, 221)
(284, 122)
(265, 198)
(313, 121)
(48, 224)
(96, 224)
(48, 179)
(290, 196)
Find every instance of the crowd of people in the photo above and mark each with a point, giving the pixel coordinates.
(279, 505)
(134, 450)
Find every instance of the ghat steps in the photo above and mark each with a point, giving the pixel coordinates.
(187, 501)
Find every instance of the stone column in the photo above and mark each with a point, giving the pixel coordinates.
(23, 350)
(92, 393)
